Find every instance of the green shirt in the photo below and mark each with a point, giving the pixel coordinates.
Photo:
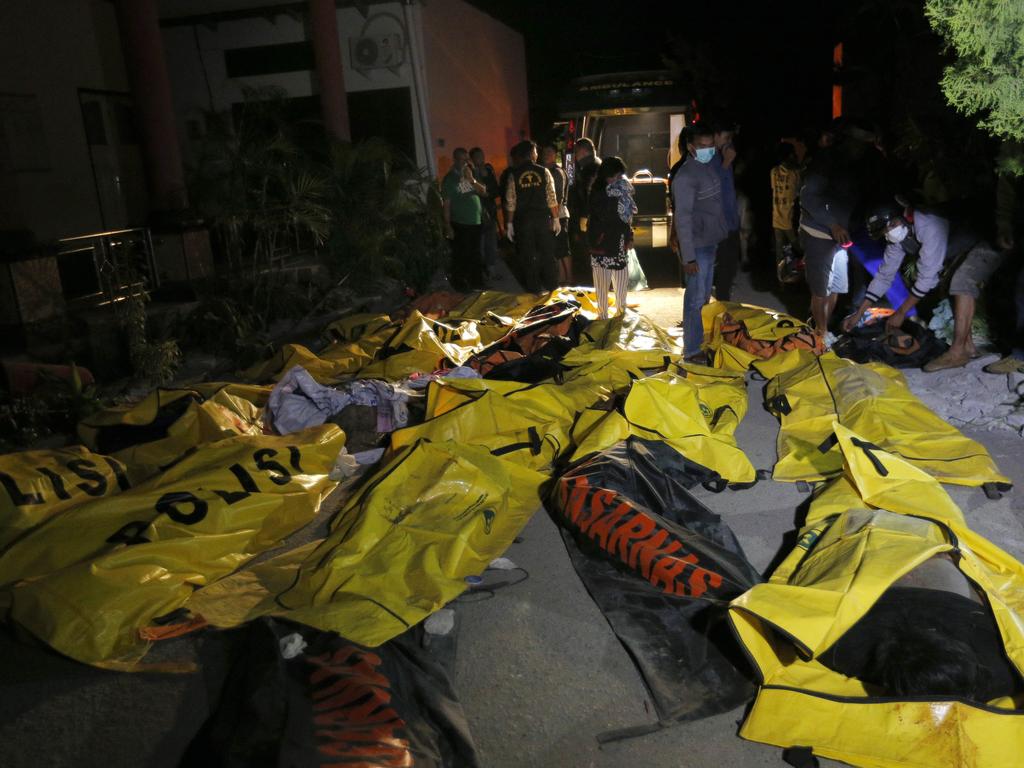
(466, 206)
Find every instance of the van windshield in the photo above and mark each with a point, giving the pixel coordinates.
(642, 141)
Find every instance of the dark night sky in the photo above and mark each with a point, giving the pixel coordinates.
(766, 64)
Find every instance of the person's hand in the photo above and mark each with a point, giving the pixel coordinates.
(850, 322)
(895, 321)
(556, 227)
(449, 233)
(511, 232)
(1004, 243)
(728, 155)
(467, 172)
(691, 267)
(839, 233)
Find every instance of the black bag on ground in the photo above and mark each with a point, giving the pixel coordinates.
(911, 347)
(334, 703)
(661, 567)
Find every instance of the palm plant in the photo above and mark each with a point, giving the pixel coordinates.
(387, 213)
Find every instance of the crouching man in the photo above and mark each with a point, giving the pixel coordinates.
(939, 245)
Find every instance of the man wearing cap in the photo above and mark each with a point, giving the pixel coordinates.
(939, 245)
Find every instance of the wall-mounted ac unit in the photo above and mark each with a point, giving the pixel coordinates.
(377, 52)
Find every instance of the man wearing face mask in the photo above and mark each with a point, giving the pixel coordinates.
(938, 245)
(700, 224)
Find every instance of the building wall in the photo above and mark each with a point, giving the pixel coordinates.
(199, 78)
(51, 48)
(473, 82)
(476, 81)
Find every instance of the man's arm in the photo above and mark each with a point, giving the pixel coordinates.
(684, 193)
(550, 197)
(887, 271)
(510, 199)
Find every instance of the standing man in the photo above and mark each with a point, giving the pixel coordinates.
(785, 179)
(462, 215)
(484, 173)
(937, 244)
(532, 213)
(700, 224)
(562, 258)
(586, 164)
(727, 260)
(845, 172)
(826, 205)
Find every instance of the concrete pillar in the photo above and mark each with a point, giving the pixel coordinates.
(151, 89)
(327, 50)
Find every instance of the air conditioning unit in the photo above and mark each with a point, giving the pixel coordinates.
(377, 52)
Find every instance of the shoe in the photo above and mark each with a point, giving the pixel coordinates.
(948, 359)
(1008, 364)
(699, 359)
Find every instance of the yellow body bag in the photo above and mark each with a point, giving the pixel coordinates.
(38, 485)
(400, 548)
(865, 531)
(873, 400)
(673, 409)
(167, 424)
(87, 580)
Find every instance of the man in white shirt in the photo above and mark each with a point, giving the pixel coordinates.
(938, 247)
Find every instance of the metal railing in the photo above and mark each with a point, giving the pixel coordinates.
(122, 264)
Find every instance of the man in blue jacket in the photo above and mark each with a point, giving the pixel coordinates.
(700, 226)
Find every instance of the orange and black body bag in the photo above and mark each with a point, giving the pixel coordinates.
(530, 351)
(735, 332)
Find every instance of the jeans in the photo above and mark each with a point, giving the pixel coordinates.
(698, 291)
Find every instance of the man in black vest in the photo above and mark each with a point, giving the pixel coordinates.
(532, 212)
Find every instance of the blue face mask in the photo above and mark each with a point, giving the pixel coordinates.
(704, 154)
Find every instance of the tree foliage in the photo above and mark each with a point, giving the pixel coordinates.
(987, 77)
